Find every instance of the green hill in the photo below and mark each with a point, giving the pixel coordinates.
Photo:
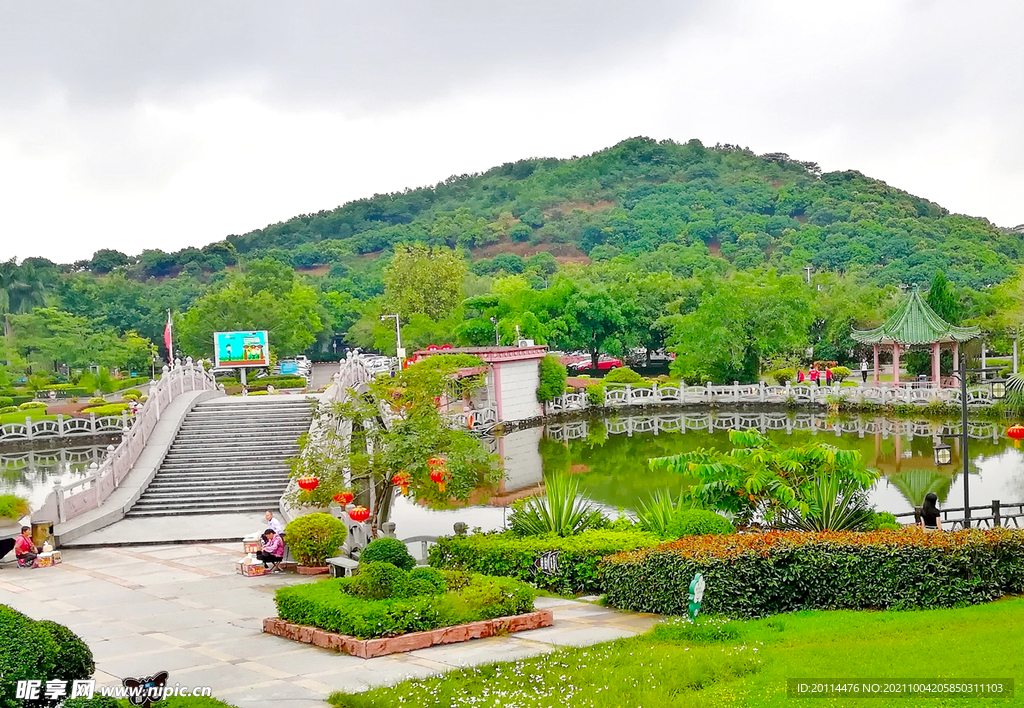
(642, 195)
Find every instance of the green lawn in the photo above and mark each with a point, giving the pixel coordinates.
(19, 416)
(744, 664)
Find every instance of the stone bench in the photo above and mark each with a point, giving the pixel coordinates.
(342, 567)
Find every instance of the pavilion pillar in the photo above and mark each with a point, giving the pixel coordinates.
(895, 362)
(936, 373)
(956, 358)
(875, 347)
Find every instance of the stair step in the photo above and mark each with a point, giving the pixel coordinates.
(266, 501)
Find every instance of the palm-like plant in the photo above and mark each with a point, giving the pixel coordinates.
(657, 514)
(833, 504)
(21, 289)
(760, 479)
(561, 511)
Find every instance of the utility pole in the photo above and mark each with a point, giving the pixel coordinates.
(399, 351)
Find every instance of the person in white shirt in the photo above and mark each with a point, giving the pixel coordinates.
(273, 523)
(864, 370)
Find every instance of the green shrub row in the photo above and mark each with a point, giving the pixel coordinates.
(327, 605)
(106, 409)
(66, 390)
(33, 405)
(753, 575)
(6, 401)
(513, 556)
(42, 651)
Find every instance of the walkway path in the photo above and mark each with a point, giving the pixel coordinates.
(182, 609)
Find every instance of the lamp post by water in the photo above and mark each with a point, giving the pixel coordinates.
(941, 451)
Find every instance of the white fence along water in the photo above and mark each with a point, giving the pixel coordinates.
(814, 423)
(83, 495)
(616, 395)
(65, 427)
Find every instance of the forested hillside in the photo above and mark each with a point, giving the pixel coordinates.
(641, 196)
(642, 246)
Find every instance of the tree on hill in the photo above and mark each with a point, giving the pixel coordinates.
(424, 280)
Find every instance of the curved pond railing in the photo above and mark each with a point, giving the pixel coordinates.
(66, 427)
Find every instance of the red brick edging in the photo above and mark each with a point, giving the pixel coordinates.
(369, 648)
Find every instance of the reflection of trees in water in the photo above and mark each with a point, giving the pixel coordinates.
(915, 484)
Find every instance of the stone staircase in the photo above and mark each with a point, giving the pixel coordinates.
(230, 455)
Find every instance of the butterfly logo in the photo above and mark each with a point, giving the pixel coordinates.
(144, 691)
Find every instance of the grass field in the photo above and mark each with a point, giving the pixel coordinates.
(745, 664)
(19, 416)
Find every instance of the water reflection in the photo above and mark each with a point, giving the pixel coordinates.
(31, 473)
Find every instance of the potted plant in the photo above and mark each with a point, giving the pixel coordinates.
(313, 539)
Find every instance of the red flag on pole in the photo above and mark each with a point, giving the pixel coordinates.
(169, 338)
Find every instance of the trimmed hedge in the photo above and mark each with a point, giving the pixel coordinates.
(38, 651)
(513, 556)
(327, 605)
(6, 402)
(698, 522)
(388, 550)
(753, 575)
(106, 409)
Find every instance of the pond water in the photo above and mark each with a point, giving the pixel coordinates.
(609, 457)
(30, 474)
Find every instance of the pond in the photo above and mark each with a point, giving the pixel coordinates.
(609, 458)
(30, 474)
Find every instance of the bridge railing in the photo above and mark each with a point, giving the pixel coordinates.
(65, 503)
(617, 395)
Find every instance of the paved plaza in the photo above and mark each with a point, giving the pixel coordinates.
(183, 609)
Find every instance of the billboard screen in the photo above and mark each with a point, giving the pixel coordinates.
(241, 349)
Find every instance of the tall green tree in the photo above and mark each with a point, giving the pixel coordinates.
(424, 280)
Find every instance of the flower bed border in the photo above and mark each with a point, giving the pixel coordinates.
(369, 648)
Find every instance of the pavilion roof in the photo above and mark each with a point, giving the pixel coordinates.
(915, 322)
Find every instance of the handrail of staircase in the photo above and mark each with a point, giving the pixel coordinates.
(353, 374)
(67, 502)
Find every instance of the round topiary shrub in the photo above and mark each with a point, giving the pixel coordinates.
(698, 522)
(388, 550)
(379, 581)
(131, 392)
(315, 538)
(32, 405)
(97, 401)
(624, 375)
(6, 401)
(9, 409)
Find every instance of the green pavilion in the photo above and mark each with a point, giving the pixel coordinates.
(915, 324)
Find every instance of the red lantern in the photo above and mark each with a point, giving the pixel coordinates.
(308, 483)
(402, 479)
(359, 514)
(435, 462)
(440, 475)
(1016, 433)
(343, 498)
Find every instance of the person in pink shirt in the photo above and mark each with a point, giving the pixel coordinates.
(273, 551)
(24, 550)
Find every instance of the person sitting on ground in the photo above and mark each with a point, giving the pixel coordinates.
(931, 518)
(273, 551)
(273, 523)
(24, 550)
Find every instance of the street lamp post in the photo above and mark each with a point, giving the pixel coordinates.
(942, 451)
(398, 338)
(497, 337)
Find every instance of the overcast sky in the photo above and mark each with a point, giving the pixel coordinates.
(135, 125)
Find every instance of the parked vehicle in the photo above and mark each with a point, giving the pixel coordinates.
(604, 363)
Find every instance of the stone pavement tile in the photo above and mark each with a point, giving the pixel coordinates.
(577, 637)
(219, 677)
(148, 663)
(480, 651)
(261, 646)
(268, 669)
(144, 607)
(312, 661)
(125, 646)
(93, 631)
(283, 694)
(546, 603)
(589, 612)
(172, 622)
(218, 632)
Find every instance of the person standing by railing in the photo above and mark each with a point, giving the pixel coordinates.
(931, 517)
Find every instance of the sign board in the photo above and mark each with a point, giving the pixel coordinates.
(401, 352)
(696, 594)
(238, 349)
(289, 367)
(547, 563)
